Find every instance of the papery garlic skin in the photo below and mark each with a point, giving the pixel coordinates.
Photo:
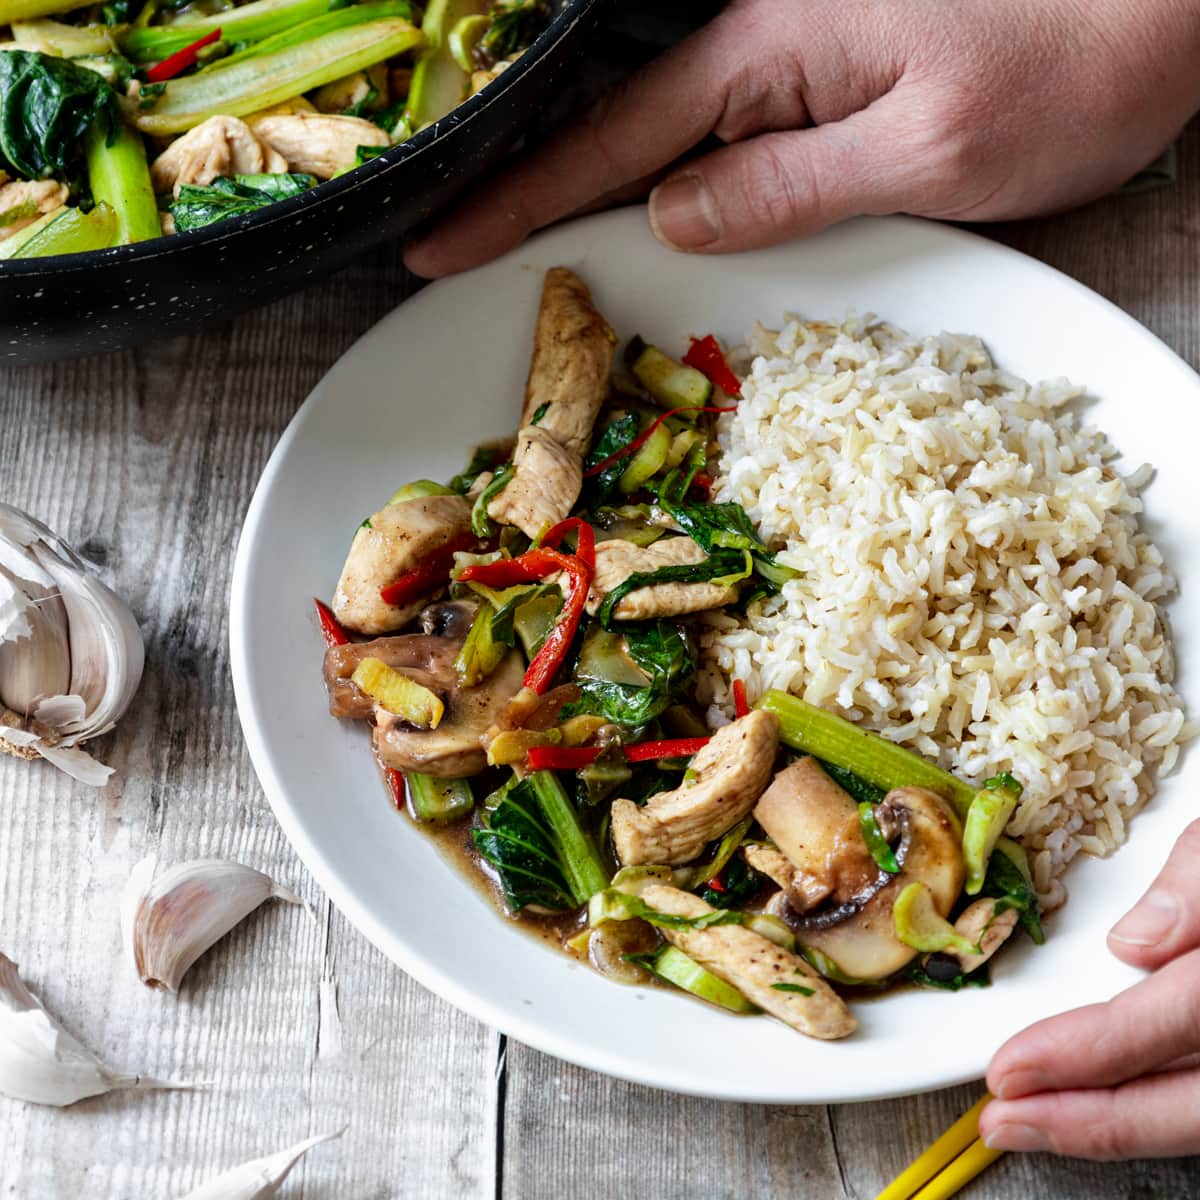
(41, 1063)
(259, 1178)
(71, 653)
(169, 922)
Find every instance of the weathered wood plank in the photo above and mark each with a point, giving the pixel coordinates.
(147, 461)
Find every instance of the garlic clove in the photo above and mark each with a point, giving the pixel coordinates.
(169, 922)
(41, 1063)
(261, 1177)
(71, 654)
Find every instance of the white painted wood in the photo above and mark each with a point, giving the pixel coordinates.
(146, 460)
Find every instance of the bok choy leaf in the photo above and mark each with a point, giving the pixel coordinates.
(199, 206)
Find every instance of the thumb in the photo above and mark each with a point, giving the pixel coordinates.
(1165, 922)
(785, 185)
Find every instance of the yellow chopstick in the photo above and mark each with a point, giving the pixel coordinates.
(952, 1143)
(975, 1158)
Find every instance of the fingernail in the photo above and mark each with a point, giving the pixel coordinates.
(1150, 922)
(1024, 1082)
(683, 213)
(1016, 1137)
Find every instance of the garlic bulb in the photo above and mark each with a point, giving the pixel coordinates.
(40, 1062)
(259, 1178)
(170, 921)
(71, 653)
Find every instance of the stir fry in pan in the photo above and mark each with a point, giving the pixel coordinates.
(126, 120)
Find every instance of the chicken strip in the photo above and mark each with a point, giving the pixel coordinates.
(218, 146)
(567, 384)
(318, 143)
(544, 487)
(23, 201)
(572, 359)
(729, 776)
(762, 971)
(616, 560)
(391, 543)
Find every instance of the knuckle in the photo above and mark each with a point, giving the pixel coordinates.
(777, 192)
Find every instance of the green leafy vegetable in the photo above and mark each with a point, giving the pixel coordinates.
(877, 844)
(671, 965)
(199, 206)
(1010, 885)
(980, 977)
(740, 883)
(515, 24)
(616, 435)
(539, 413)
(540, 851)
(483, 458)
(119, 177)
(984, 823)
(481, 523)
(664, 652)
(793, 987)
(47, 105)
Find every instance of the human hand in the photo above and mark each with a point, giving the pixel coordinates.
(1122, 1079)
(979, 110)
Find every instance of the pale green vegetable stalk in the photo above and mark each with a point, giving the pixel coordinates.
(66, 41)
(824, 735)
(27, 10)
(917, 923)
(245, 87)
(120, 178)
(70, 231)
(671, 965)
(249, 23)
(438, 82)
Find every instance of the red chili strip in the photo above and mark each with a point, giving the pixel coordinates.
(585, 544)
(702, 483)
(641, 439)
(432, 574)
(397, 786)
(670, 748)
(716, 885)
(331, 627)
(573, 758)
(705, 356)
(561, 758)
(535, 564)
(177, 63)
(741, 706)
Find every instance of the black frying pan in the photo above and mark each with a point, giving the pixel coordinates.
(85, 303)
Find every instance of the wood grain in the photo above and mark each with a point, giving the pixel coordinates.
(146, 460)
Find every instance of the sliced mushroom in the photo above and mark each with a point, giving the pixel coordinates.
(218, 146)
(545, 484)
(391, 543)
(756, 967)
(419, 655)
(317, 143)
(982, 924)
(567, 384)
(728, 776)
(454, 749)
(616, 560)
(853, 926)
(814, 823)
(23, 201)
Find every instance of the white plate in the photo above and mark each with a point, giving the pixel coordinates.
(446, 371)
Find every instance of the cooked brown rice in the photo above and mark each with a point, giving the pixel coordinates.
(975, 584)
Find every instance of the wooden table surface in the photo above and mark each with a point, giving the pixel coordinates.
(146, 460)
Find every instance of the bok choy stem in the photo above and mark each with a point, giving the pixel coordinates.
(248, 23)
(27, 10)
(120, 178)
(244, 87)
(581, 865)
(825, 735)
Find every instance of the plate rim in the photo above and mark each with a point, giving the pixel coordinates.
(422, 969)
